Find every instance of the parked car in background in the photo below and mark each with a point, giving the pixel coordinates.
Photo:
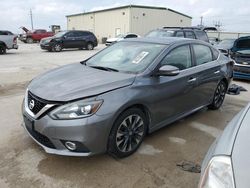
(121, 37)
(7, 41)
(34, 35)
(109, 102)
(225, 46)
(227, 161)
(69, 39)
(182, 32)
(239, 51)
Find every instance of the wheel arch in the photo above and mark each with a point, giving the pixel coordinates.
(3, 44)
(225, 81)
(138, 105)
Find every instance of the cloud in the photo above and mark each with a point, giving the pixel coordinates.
(234, 15)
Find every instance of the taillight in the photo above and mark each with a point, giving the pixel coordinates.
(15, 40)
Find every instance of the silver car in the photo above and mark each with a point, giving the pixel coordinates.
(226, 164)
(109, 102)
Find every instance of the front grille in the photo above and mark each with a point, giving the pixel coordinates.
(38, 104)
(40, 138)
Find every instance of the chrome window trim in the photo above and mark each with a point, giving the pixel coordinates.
(26, 107)
(241, 65)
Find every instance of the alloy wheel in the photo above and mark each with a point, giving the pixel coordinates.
(57, 48)
(130, 133)
(90, 46)
(2, 50)
(29, 40)
(219, 94)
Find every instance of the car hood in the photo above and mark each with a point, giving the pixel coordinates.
(49, 38)
(77, 81)
(241, 153)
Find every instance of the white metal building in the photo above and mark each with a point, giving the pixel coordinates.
(126, 19)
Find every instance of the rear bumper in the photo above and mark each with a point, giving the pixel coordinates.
(15, 46)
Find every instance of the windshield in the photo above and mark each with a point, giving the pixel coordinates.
(226, 44)
(130, 57)
(60, 34)
(160, 33)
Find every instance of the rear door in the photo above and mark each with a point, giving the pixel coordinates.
(207, 73)
(82, 39)
(70, 40)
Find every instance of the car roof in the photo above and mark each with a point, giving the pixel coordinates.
(165, 40)
(245, 37)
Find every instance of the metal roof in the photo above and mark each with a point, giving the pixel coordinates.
(130, 6)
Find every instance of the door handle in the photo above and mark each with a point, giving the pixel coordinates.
(217, 72)
(192, 79)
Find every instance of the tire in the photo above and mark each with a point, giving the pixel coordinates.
(219, 96)
(57, 48)
(90, 46)
(29, 40)
(127, 133)
(2, 49)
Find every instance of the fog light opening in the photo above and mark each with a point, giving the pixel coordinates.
(70, 145)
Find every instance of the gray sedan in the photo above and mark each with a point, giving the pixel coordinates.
(226, 164)
(109, 102)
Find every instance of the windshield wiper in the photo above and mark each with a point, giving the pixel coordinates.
(105, 68)
(83, 62)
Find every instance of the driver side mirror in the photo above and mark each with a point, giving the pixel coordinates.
(168, 70)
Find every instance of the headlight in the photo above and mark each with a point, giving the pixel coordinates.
(79, 109)
(218, 174)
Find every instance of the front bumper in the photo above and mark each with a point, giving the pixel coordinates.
(242, 71)
(91, 134)
(46, 46)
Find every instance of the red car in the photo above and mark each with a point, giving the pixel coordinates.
(34, 35)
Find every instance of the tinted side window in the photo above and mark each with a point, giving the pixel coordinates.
(203, 54)
(81, 34)
(131, 36)
(179, 34)
(3, 33)
(202, 35)
(71, 34)
(190, 34)
(179, 57)
(243, 43)
(40, 31)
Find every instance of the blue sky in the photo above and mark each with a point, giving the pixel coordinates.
(234, 15)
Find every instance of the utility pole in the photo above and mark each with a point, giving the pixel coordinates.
(201, 21)
(218, 24)
(31, 19)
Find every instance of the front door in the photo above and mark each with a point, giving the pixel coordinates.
(174, 95)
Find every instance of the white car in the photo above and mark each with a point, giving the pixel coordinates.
(7, 41)
(121, 37)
